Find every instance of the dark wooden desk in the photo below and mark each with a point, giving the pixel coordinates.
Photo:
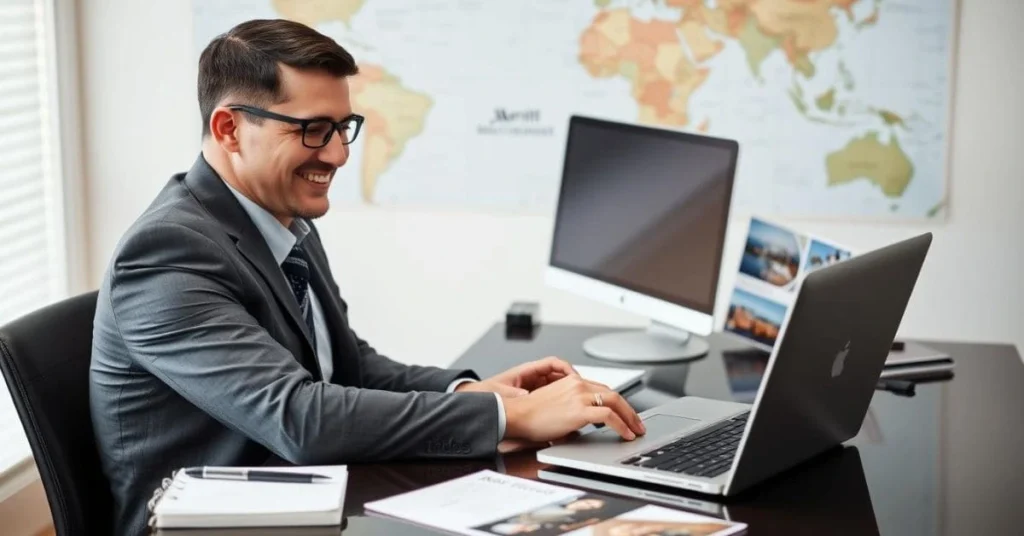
(949, 460)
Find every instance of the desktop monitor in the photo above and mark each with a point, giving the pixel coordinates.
(640, 224)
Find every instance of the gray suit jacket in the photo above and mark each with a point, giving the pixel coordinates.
(200, 357)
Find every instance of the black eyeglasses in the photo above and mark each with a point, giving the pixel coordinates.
(316, 133)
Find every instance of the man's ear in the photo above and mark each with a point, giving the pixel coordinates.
(224, 129)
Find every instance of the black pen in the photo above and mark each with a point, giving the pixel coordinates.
(254, 475)
(899, 387)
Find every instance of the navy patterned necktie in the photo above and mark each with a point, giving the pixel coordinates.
(296, 270)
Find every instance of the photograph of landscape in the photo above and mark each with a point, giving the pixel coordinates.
(755, 318)
(771, 254)
(820, 255)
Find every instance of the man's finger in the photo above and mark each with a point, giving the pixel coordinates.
(596, 414)
(550, 365)
(562, 366)
(618, 404)
(554, 377)
(537, 374)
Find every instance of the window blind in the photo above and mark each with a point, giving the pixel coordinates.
(33, 270)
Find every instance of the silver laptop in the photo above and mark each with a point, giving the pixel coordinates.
(820, 378)
(828, 495)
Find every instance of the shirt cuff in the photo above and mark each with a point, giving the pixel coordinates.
(501, 417)
(456, 383)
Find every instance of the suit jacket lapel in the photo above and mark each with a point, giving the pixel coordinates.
(342, 341)
(254, 248)
(211, 191)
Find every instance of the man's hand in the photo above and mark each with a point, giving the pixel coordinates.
(522, 379)
(560, 408)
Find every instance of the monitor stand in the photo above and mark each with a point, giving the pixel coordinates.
(658, 343)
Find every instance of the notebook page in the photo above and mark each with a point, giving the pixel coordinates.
(471, 499)
(615, 378)
(195, 496)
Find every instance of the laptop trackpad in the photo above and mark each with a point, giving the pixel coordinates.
(661, 424)
(658, 425)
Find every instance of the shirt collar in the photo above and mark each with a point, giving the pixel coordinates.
(280, 239)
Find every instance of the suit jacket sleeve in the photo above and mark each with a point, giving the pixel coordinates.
(180, 310)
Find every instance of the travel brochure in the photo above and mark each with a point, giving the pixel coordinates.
(491, 503)
(774, 260)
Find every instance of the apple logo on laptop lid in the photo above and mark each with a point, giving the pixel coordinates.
(837, 365)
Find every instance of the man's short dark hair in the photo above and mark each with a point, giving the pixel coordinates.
(244, 62)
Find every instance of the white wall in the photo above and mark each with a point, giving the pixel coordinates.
(423, 285)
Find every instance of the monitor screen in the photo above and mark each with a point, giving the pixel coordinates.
(645, 209)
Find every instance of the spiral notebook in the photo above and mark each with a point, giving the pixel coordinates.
(186, 502)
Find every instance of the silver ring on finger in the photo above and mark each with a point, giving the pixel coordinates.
(597, 399)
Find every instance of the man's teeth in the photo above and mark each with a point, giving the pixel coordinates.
(316, 177)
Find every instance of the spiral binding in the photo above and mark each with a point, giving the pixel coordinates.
(159, 492)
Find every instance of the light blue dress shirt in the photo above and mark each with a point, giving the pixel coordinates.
(281, 240)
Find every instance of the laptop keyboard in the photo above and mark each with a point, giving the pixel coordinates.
(707, 453)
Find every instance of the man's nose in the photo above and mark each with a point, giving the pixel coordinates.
(335, 152)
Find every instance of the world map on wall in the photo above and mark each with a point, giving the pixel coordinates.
(841, 107)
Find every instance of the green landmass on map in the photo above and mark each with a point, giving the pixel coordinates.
(826, 100)
(798, 102)
(892, 119)
(885, 165)
(804, 66)
(756, 44)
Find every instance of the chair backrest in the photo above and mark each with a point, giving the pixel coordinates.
(45, 358)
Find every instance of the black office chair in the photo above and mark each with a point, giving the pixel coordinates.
(44, 357)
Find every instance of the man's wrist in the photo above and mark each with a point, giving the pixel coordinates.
(513, 408)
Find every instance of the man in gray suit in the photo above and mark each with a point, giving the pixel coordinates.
(220, 335)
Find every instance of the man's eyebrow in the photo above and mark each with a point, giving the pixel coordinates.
(329, 118)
